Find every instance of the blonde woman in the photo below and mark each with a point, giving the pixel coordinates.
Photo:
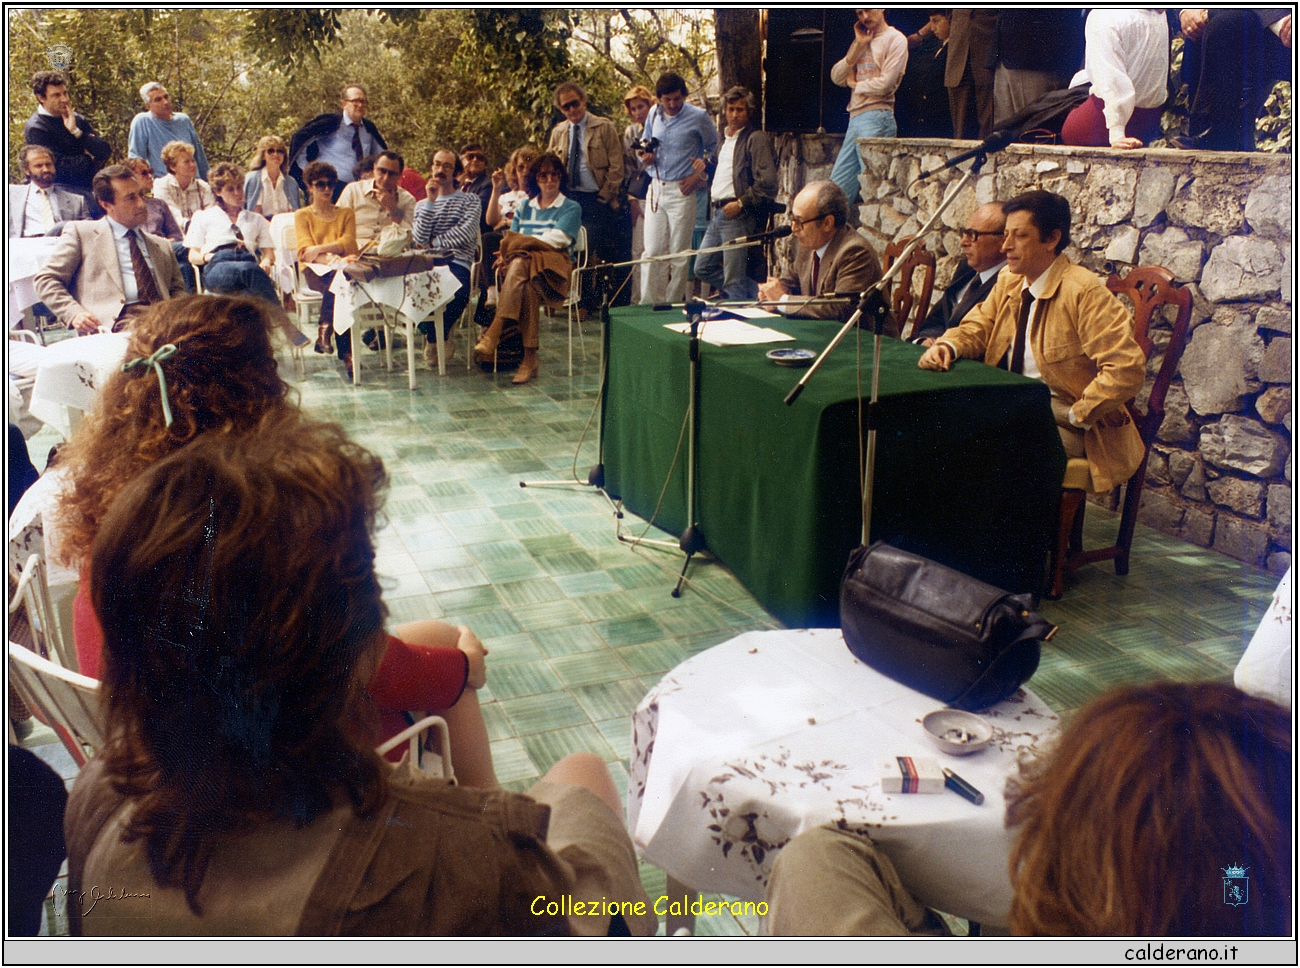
(182, 188)
(268, 189)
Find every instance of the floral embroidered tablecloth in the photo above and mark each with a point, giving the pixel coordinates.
(70, 374)
(410, 297)
(744, 746)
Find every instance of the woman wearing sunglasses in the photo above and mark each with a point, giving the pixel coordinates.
(268, 189)
(326, 234)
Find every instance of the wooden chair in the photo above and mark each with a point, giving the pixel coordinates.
(904, 298)
(66, 701)
(1148, 287)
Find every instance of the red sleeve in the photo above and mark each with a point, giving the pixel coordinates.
(419, 677)
(86, 633)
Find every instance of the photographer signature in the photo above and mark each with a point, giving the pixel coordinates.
(94, 895)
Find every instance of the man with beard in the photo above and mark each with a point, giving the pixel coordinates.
(448, 220)
(37, 207)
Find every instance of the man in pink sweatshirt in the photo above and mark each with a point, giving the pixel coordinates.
(873, 68)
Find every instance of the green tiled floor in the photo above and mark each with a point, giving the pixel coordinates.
(580, 626)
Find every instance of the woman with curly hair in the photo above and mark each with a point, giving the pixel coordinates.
(268, 188)
(204, 365)
(256, 805)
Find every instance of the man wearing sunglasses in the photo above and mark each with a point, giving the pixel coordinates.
(981, 244)
(341, 139)
(593, 151)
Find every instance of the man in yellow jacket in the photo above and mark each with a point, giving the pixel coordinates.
(1057, 322)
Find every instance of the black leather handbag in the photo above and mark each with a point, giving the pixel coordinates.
(938, 630)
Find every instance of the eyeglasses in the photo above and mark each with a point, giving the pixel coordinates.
(974, 235)
(799, 223)
(356, 100)
(275, 151)
(570, 105)
(475, 156)
(323, 183)
(388, 171)
(550, 173)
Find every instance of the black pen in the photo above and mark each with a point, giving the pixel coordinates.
(960, 787)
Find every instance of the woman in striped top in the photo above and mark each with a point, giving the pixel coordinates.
(536, 270)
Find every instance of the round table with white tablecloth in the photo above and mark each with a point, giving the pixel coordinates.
(742, 747)
(68, 374)
(25, 258)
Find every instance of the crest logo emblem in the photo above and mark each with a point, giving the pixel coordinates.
(59, 55)
(1236, 886)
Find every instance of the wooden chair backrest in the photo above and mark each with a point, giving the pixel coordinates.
(66, 701)
(1148, 287)
(903, 298)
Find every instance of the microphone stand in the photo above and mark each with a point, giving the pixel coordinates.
(873, 305)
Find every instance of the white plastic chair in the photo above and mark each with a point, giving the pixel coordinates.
(435, 763)
(467, 317)
(66, 701)
(581, 260)
(31, 601)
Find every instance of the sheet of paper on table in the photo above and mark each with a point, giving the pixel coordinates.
(732, 332)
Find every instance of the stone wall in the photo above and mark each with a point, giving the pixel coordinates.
(1220, 472)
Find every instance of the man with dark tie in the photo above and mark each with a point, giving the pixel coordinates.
(38, 207)
(1057, 322)
(103, 272)
(341, 139)
(981, 244)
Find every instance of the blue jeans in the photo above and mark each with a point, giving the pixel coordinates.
(233, 271)
(877, 123)
(725, 271)
(182, 253)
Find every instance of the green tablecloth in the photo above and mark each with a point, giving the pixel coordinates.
(968, 463)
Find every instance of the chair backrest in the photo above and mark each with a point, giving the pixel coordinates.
(421, 755)
(580, 255)
(904, 297)
(32, 610)
(284, 239)
(66, 701)
(1148, 287)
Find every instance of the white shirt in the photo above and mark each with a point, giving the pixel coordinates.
(211, 228)
(124, 258)
(35, 211)
(273, 200)
(724, 187)
(1031, 365)
(1126, 57)
(980, 278)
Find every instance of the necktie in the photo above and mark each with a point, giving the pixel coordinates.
(47, 209)
(1022, 325)
(817, 271)
(575, 136)
(356, 141)
(146, 289)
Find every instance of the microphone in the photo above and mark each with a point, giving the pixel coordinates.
(994, 142)
(777, 233)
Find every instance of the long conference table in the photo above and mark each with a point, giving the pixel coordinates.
(968, 463)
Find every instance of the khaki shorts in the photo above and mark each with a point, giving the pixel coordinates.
(592, 843)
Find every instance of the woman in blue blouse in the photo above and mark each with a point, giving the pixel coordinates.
(535, 259)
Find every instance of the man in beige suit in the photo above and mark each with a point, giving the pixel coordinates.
(103, 272)
(832, 257)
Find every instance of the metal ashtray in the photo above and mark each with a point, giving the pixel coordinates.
(956, 732)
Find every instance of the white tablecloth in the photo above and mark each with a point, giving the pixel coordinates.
(402, 299)
(744, 746)
(26, 257)
(69, 374)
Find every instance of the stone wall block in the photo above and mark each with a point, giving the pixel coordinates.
(1155, 187)
(1276, 364)
(1194, 487)
(1274, 406)
(1123, 244)
(1275, 318)
(1242, 444)
(1244, 540)
(1174, 250)
(1180, 465)
(1157, 469)
(1244, 497)
(985, 189)
(1158, 510)
(1278, 563)
(1198, 526)
(1178, 427)
(869, 216)
(1201, 203)
(1279, 513)
(1202, 308)
(1268, 208)
(1108, 194)
(1242, 267)
(1219, 362)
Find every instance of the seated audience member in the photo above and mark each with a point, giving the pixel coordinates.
(181, 187)
(326, 234)
(39, 207)
(981, 245)
(413, 182)
(536, 260)
(1232, 58)
(1038, 49)
(161, 222)
(832, 257)
(288, 822)
(508, 188)
(365, 168)
(743, 192)
(448, 220)
(378, 201)
(226, 240)
(921, 102)
(77, 149)
(222, 380)
(1057, 322)
(1126, 59)
(268, 189)
(154, 129)
(102, 273)
(473, 178)
(873, 68)
(1127, 827)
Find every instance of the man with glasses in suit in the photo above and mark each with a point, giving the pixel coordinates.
(340, 139)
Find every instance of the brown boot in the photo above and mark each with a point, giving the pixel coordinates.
(486, 346)
(528, 368)
(324, 338)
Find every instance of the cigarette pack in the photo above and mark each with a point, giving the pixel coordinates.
(910, 774)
